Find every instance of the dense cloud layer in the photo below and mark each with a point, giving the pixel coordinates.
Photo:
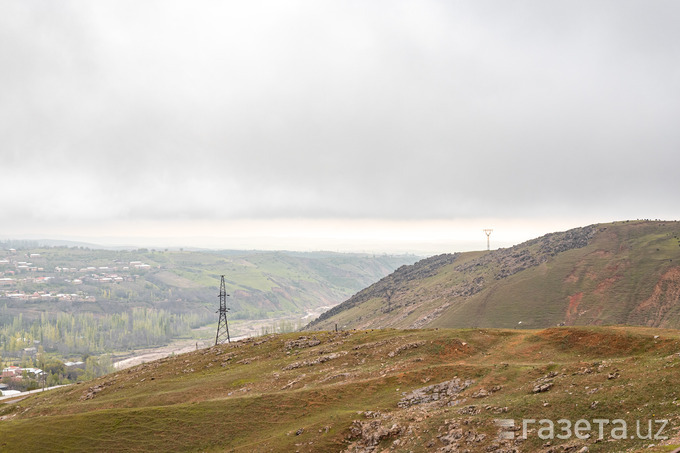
(317, 109)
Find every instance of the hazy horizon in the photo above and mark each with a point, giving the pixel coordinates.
(420, 238)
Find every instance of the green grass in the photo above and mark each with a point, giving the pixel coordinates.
(240, 397)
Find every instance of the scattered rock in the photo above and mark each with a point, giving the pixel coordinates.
(453, 436)
(481, 393)
(543, 387)
(302, 342)
(497, 409)
(443, 392)
(469, 410)
(406, 347)
(92, 392)
(371, 433)
(293, 382)
(322, 359)
(545, 383)
(336, 376)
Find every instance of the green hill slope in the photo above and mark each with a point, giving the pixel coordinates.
(80, 280)
(618, 273)
(383, 390)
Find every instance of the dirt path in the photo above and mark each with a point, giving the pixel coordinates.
(148, 355)
(23, 395)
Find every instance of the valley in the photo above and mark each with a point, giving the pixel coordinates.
(76, 304)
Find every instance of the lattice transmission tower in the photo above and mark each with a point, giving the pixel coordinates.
(488, 240)
(222, 326)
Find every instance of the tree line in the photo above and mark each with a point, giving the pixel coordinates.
(87, 333)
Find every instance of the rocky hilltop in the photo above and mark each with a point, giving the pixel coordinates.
(617, 273)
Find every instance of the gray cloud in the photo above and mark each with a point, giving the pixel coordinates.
(428, 109)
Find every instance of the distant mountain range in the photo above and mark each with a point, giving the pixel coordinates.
(617, 273)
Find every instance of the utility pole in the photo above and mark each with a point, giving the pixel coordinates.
(222, 335)
(488, 241)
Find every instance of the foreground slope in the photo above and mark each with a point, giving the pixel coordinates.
(418, 390)
(617, 273)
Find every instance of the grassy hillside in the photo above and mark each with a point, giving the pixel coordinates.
(81, 280)
(618, 273)
(382, 390)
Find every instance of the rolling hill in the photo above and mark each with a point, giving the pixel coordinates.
(262, 284)
(617, 273)
(420, 390)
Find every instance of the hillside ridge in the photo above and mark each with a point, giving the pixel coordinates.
(596, 274)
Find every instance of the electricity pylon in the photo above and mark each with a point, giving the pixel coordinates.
(222, 326)
(488, 241)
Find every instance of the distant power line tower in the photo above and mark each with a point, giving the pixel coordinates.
(488, 240)
(222, 326)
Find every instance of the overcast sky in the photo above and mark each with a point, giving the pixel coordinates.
(335, 124)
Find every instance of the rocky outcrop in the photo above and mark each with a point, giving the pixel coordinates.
(405, 347)
(545, 383)
(531, 253)
(371, 433)
(302, 342)
(322, 359)
(444, 392)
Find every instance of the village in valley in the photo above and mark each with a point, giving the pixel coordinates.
(15, 380)
(39, 283)
(25, 276)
